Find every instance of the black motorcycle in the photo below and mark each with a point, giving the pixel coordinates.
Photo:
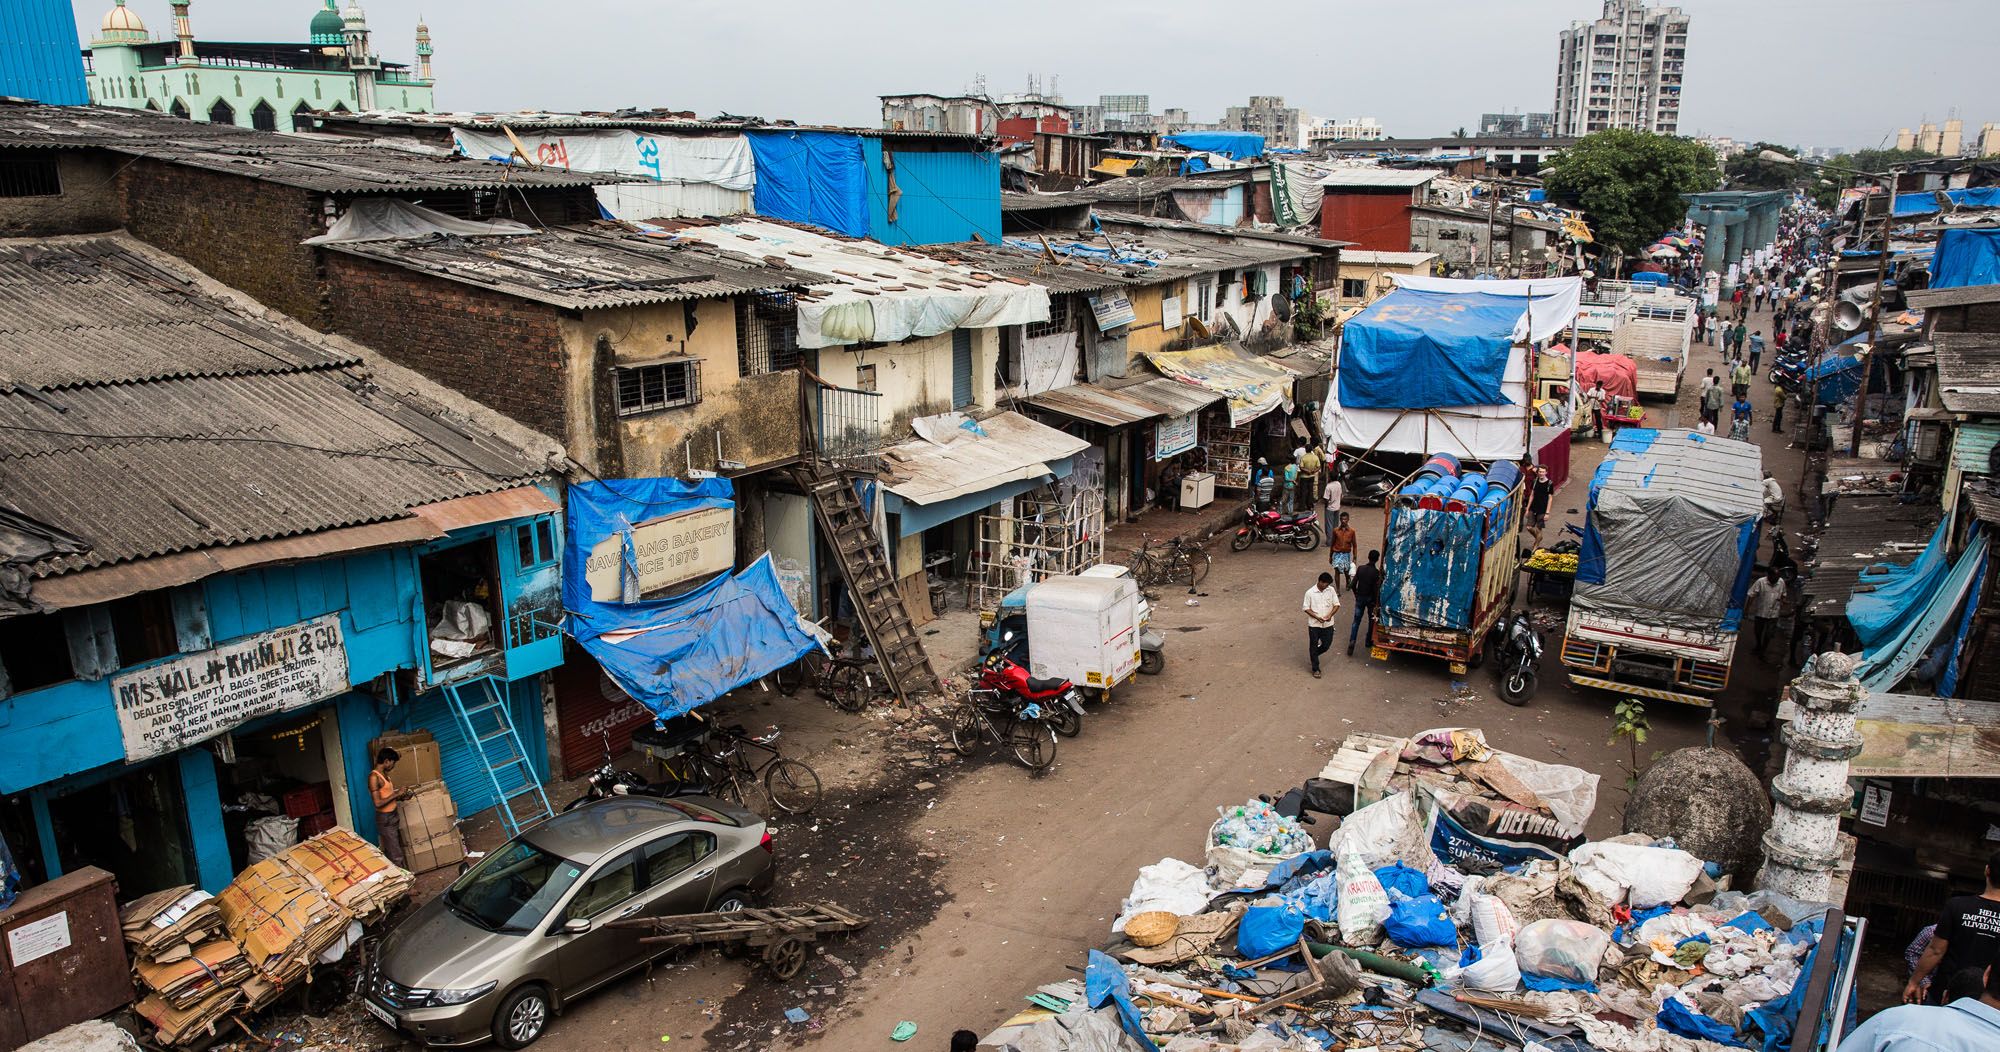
(1520, 658)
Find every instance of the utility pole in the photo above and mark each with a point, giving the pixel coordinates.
(1875, 324)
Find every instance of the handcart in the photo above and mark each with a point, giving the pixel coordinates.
(781, 932)
(1551, 575)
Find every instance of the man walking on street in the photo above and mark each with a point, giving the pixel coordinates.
(1711, 404)
(1762, 605)
(1756, 350)
(1322, 605)
(1739, 378)
(1367, 599)
(1341, 542)
(1967, 936)
(1329, 508)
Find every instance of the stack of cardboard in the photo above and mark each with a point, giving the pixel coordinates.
(178, 1026)
(431, 839)
(353, 873)
(167, 925)
(213, 967)
(417, 758)
(283, 919)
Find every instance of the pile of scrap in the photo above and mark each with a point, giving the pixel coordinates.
(200, 958)
(1410, 930)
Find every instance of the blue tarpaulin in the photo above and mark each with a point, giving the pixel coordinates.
(1923, 204)
(1896, 592)
(1432, 569)
(677, 653)
(1838, 376)
(811, 177)
(1106, 983)
(1918, 626)
(1777, 1020)
(1415, 349)
(1966, 257)
(1237, 146)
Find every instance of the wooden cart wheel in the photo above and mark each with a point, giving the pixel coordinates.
(785, 957)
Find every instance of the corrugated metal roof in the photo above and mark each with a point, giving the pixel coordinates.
(1972, 446)
(1094, 404)
(580, 268)
(1985, 506)
(1963, 296)
(1362, 178)
(146, 462)
(1865, 529)
(1370, 257)
(1170, 396)
(321, 163)
(1968, 365)
(1013, 448)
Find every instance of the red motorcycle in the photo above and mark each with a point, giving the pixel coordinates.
(1060, 701)
(1300, 529)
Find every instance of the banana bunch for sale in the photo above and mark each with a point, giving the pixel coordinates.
(1559, 562)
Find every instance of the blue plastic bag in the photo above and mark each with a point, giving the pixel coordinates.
(1677, 1018)
(1399, 877)
(1419, 920)
(1265, 930)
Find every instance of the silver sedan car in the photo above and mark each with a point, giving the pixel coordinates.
(522, 933)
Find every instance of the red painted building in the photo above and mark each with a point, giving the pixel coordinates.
(1371, 206)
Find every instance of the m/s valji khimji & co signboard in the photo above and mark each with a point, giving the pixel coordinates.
(166, 707)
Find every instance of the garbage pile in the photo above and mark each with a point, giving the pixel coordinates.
(1456, 906)
(201, 958)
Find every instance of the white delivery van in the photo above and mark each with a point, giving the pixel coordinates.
(1084, 629)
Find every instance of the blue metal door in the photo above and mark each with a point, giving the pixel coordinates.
(961, 368)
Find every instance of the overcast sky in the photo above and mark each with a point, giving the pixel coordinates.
(1801, 72)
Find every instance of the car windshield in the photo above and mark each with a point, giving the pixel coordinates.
(512, 889)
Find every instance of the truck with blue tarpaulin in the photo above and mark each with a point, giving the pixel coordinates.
(1450, 556)
(1670, 543)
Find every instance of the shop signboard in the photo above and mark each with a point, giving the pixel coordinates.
(166, 707)
(667, 551)
(1170, 313)
(1112, 311)
(1175, 435)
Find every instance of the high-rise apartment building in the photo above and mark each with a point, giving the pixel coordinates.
(1622, 71)
(1267, 115)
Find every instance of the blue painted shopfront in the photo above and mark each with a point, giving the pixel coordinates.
(66, 738)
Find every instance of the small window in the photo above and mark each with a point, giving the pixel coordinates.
(767, 333)
(29, 173)
(607, 890)
(864, 377)
(1059, 318)
(536, 543)
(143, 627)
(663, 386)
(1353, 288)
(1204, 299)
(670, 856)
(34, 653)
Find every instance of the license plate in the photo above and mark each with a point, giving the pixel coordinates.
(379, 1012)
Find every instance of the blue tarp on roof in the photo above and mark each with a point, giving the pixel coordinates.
(1237, 146)
(811, 177)
(1838, 376)
(678, 653)
(1926, 600)
(1925, 203)
(1427, 350)
(1966, 257)
(1895, 592)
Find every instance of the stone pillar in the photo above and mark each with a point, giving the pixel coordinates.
(1802, 850)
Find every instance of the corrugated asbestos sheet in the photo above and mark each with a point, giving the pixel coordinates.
(1968, 365)
(232, 431)
(1866, 529)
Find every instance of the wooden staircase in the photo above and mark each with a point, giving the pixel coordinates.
(850, 532)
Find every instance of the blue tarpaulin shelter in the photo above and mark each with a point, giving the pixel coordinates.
(681, 652)
(1417, 349)
(812, 177)
(1923, 204)
(1966, 257)
(1910, 607)
(1237, 146)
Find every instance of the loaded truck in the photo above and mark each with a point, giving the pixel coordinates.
(1669, 547)
(1450, 554)
(1653, 330)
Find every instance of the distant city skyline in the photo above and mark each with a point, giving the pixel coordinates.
(1764, 71)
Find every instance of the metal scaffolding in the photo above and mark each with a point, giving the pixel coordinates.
(1049, 534)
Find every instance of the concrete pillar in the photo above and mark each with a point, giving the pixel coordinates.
(1732, 246)
(1767, 225)
(1802, 850)
(1714, 231)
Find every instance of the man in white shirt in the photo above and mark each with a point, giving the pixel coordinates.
(1762, 605)
(1774, 500)
(1322, 604)
(1329, 503)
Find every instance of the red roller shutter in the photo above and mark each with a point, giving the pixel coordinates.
(590, 708)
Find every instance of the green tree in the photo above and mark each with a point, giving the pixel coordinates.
(1629, 183)
(1827, 185)
(1750, 171)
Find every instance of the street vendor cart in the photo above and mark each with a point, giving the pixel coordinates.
(780, 933)
(1551, 575)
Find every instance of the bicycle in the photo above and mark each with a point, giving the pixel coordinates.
(1169, 562)
(984, 715)
(845, 683)
(790, 785)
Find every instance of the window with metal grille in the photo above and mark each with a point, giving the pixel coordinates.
(1059, 318)
(767, 333)
(666, 385)
(1353, 288)
(31, 174)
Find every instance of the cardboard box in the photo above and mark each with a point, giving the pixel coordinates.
(417, 757)
(437, 854)
(431, 839)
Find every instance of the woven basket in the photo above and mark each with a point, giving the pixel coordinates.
(1151, 928)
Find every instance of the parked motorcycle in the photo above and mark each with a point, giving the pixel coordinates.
(1061, 702)
(1300, 529)
(1520, 658)
(1371, 488)
(609, 781)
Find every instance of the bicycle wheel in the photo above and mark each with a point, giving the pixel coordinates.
(792, 786)
(963, 724)
(843, 688)
(789, 679)
(1193, 562)
(1033, 743)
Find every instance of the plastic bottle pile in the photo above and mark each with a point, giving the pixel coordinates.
(1255, 826)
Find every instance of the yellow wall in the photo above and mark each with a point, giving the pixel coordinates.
(914, 377)
(1369, 272)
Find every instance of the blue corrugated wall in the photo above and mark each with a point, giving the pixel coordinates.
(39, 55)
(946, 196)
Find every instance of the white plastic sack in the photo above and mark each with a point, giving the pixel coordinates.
(270, 835)
(1379, 830)
(1495, 972)
(1639, 876)
(1569, 792)
(1363, 905)
(1493, 923)
(1169, 885)
(1562, 949)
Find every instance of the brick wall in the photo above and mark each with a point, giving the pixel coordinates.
(505, 352)
(87, 204)
(243, 232)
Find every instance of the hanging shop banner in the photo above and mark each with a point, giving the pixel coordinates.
(166, 707)
(1170, 313)
(1113, 310)
(1175, 435)
(665, 552)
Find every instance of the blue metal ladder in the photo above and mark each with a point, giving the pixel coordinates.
(499, 749)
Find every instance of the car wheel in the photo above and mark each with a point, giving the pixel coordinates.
(523, 1016)
(732, 902)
